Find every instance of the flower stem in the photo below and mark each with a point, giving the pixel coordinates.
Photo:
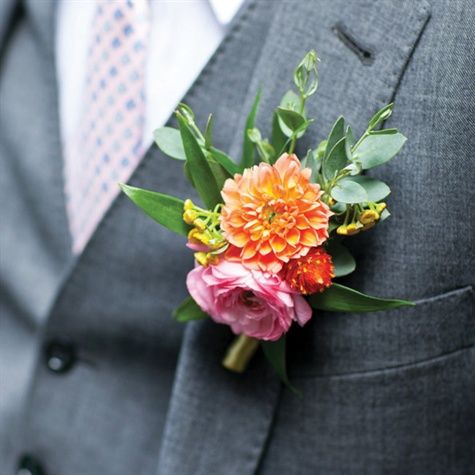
(239, 354)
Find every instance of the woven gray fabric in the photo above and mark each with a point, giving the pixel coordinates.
(382, 393)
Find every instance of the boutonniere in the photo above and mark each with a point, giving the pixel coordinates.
(268, 233)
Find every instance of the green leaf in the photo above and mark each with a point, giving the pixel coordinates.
(188, 310)
(248, 147)
(313, 161)
(335, 160)
(350, 141)
(219, 172)
(380, 116)
(169, 141)
(278, 138)
(290, 101)
(377, 149)
(290, 121)
(385, 215)
(336, 134)
(347, 191)
(339, 298)
(375, 189)
(164, 209)
(225, 161)
(199, 167)
(384, 132)
(343, 261)
(274, 351)
(209, 132)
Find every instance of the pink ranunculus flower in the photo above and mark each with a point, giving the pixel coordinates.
(251, 302)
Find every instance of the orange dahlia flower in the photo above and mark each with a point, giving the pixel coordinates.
(272, 214)
(311, 274)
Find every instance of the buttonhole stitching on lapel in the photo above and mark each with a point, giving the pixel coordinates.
(365, 54)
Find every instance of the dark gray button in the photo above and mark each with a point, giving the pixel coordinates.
(60, 355)
(28, 465)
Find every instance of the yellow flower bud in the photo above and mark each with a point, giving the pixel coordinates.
(188, 205)
(189, 216)
(353, 228)
(192, 234)
(368, 216)
(206, 258)
(381, 207)
(201, 258)
(200, 224)
(342, 230)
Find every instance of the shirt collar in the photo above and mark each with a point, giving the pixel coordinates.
(225, 9)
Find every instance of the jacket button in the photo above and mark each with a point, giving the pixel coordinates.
(60, 356)
(27, 465)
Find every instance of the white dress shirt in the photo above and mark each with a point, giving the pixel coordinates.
(184, 35)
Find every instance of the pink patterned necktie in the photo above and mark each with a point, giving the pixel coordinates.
(108, 144)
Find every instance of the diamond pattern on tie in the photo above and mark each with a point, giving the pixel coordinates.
(108, 143)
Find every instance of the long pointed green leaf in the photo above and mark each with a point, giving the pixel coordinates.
(225, 161)
(275, 353)
(247, 146)
(339, 298)
(164, 209)
(188, 310)
(199, 167)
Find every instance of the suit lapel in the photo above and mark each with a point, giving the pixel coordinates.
(218, 422)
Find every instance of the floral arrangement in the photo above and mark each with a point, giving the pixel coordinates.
(267, 238)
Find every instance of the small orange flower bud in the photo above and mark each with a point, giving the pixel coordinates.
(311, 273)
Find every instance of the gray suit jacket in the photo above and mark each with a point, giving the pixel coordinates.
(117, 387)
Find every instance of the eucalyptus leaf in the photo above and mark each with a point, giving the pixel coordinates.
(199, 167)
(380, 116)
(384, 132)
(169, 141)
(343, 261)
(336, 134)
(313, 162)
(248, 146)
(377, 149)
(348, 191)
(290, 121)
(290, 101)
(350, 141)
(336, 160)
(339, 298)
(188, 310)
(375, 189)
(384, 215)
(164, 209)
